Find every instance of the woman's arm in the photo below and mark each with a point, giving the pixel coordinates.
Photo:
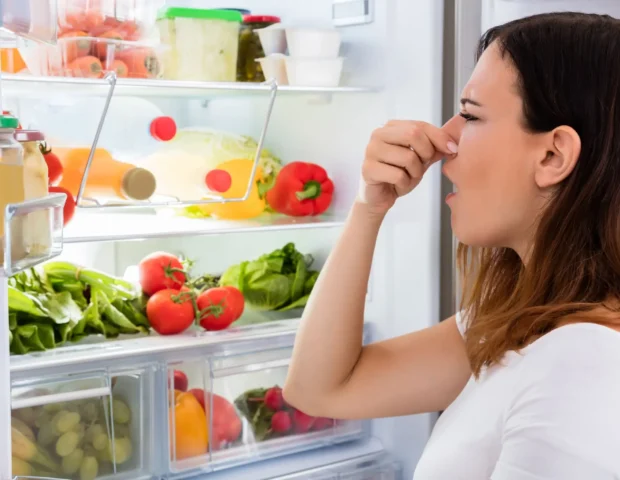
(332, 375)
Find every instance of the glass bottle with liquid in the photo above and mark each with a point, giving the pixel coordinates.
(12, 186)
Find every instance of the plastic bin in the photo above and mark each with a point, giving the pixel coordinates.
(202, 45)
(246, 418)
(91, 57)
(81, 426)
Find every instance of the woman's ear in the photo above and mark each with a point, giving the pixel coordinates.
(563, 148)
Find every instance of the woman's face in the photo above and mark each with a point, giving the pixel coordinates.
(497, 200)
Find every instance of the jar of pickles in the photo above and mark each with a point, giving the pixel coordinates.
(250, 48)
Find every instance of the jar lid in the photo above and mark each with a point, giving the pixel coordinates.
(28, 136)
(163, 129)
(260, 19)
(8, 121)
(138, 184)
(199, 13)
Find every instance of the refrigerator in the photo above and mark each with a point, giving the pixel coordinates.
(403, 60)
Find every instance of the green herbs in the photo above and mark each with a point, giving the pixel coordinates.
(61, 302)
(280, 280)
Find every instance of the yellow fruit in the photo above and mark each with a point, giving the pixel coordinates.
(67, 443)
(122, 413)
(239, 171)
(122, 450)
(21, 468)
(24, 449)
(22, 427)
(72, 462)
(89, 468)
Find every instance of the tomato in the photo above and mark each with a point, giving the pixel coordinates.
(159, 271)
(218, 307)
(69, 209)
(54, 167)
(237, 300)
(226, 423)
(181, 381)
(170, 311)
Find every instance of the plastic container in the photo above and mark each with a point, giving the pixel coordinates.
(250, 47)
(76, 55)
(274, 66)
(232, 422)
(202, 45)
(313, 42)
(107, 177)
(36, 226)
(35, 19)
(272, 39)
(87, 425)
(130, 20)
(314, 72)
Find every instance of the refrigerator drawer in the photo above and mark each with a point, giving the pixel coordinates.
(247, 420)
(84, 426)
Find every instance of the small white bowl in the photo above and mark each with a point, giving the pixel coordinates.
(313, 42)
(272, 39)
(314, 72)
(274, 66)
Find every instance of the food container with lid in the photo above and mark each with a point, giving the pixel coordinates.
(250, 47)
(200, 44)
(274, 67)
(313, 42)
(314, 72)
(272, 39)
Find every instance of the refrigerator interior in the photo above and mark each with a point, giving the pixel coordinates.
(330, 130)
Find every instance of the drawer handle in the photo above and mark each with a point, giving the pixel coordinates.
(228, 371)
(18, 403)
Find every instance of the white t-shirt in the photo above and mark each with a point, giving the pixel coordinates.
(551, 412)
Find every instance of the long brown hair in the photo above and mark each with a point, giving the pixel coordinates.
(569, 74)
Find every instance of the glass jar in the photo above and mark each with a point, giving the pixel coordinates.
(12, 188)
(36, 226)
(250, 48)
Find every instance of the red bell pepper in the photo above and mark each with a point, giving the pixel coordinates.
(301, 189)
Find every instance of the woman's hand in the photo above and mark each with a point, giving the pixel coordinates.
(397, 157)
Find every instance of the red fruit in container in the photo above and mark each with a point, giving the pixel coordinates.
(226, 423)
(273, 399)
(54, 167)
(303, 423)
(281, 422)
(89, 67)
(180, 381)
(322, 423)
(103, 46)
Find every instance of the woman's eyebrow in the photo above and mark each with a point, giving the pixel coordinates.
(465, 101)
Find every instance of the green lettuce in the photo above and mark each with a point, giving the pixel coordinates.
(280, 280)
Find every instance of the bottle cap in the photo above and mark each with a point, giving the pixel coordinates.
(138, 184)
(163, 129)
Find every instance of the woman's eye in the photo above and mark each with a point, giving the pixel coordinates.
(468, 117)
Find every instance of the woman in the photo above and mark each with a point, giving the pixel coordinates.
(529, 376)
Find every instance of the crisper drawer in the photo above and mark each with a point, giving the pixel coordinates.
(246, 417)
(83, 426)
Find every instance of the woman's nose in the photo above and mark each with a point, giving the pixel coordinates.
(454, 127)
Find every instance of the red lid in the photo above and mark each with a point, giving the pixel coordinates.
(28, 136)
(218, 180)
(163, 129)
(260, 19)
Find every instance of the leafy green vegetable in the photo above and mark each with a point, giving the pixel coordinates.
(62, 302)
(280, 280)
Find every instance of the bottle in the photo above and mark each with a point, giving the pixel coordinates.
(11, 186)
(107, 177)
(37, 231)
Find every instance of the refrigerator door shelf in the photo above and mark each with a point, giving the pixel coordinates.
(247, 419)
(95, 420)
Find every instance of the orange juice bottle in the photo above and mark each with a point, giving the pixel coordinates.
(107, 177)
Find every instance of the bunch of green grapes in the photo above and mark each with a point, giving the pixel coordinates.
(77, 433)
